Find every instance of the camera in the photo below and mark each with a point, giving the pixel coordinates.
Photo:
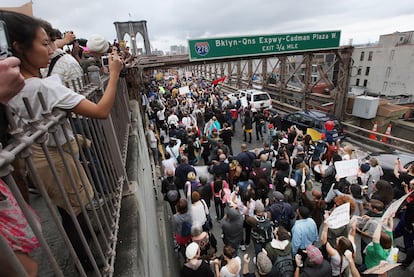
(104, 60)
(4, 41)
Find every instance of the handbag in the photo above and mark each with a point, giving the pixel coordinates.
(209, 223)
(309, 185)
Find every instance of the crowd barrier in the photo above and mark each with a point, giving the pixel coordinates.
(102, 154)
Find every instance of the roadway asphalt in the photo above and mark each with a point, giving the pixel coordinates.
(361, 152)
(127, 244)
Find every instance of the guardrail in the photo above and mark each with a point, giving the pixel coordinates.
(393, 142)
(290, 101)
(99, 164)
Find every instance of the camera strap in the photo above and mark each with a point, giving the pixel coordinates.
(53, 62)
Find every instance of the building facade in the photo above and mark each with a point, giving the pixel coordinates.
(178, 50)
(386, 68)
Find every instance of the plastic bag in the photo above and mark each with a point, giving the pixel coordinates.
(393, 257)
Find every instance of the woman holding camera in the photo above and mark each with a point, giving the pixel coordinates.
(31, 44)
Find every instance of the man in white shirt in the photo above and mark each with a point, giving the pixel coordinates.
(153, 143)
(161, 117)
(174, 148)
(62, 64)
(173, 119)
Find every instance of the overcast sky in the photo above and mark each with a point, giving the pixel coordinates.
(173, 22)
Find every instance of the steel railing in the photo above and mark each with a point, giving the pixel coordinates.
(100, 162)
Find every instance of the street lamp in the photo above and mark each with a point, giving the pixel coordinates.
(134, 46)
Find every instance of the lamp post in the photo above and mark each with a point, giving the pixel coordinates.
(134, 46)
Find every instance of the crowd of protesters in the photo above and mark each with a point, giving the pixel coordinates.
(265, 198)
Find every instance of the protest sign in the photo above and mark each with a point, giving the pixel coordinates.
(393, 208)
(188, 74)
(381, 268)
(184, 90)
(346, 168)
(315, 135)
(339, 217)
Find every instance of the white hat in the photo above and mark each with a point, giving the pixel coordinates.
(291, 182)
(97, 44)
(284, 141)
(191, 250)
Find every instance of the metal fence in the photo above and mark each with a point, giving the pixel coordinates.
(26, 160)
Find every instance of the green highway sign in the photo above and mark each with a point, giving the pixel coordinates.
(229, 47)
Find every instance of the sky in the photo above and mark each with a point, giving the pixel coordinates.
(173, 22)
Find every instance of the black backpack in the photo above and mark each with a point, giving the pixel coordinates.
(327, 182)
(172, 194)
(263, 232)
(284, 266)
(279, 216)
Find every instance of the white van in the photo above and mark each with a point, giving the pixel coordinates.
(256, 98)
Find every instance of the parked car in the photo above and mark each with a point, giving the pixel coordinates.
(258, 99)
(387, 161)
(233, 96)
(315, 120)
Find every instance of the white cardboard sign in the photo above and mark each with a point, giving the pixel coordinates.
(339, 217)
(346, 168)
(393, 208)
(184, 90)
(381, 268)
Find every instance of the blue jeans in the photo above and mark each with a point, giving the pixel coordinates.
(258, 247)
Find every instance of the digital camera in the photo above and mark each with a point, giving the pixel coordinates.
(4, 41)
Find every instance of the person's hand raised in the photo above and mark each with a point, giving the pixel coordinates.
(349, 256)
(115, 63)
(11, 81)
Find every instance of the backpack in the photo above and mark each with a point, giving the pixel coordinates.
(279, 216)
(186, 229)
(327, 181)
(263, 232)
(319, 150)
(172, 192)
(284, 266)
(53, 62)
(225, 195)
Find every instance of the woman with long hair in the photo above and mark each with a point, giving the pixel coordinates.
(337, 252)
(32, 45)
(232, 262)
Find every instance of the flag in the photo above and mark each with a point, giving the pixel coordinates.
(216, 81)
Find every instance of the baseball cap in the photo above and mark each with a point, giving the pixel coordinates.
(314, 255)
(191, 250)
(284, 141)
(264, 264)
(97, 44)
(277, 195)
(365, 167)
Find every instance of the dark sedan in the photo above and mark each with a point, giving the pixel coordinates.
(313, 119)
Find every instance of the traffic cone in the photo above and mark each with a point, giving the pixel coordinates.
(374, 129)
(387, 133)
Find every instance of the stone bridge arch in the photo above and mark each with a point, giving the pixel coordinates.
(132, 28)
